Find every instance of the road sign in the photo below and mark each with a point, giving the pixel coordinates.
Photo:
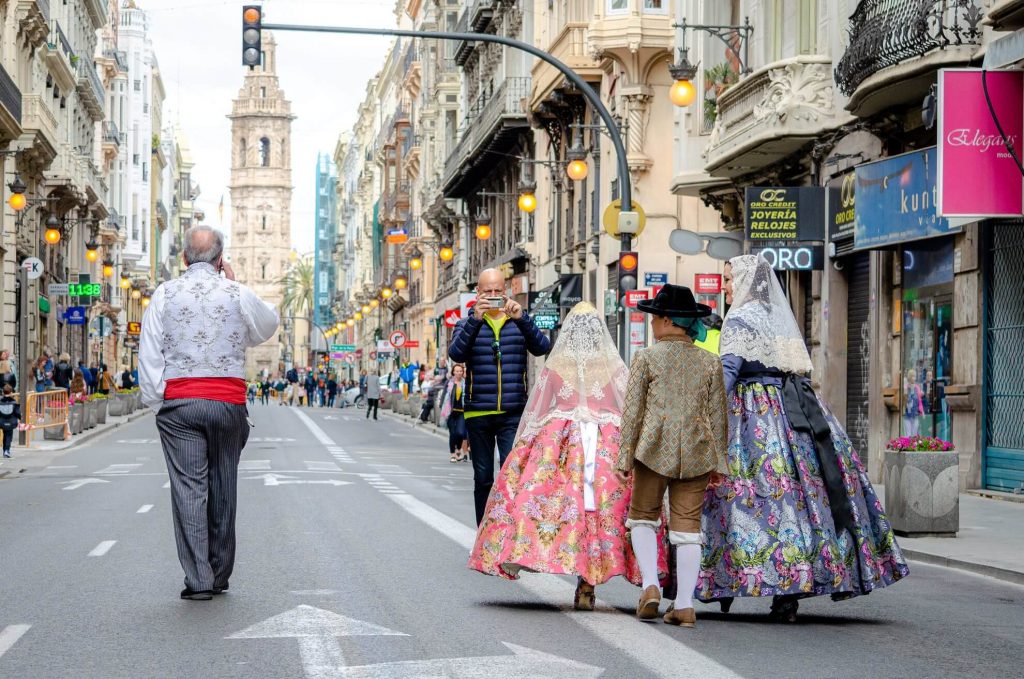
(397, 339)
(74, 315)
(373, 355)
(655, 278)
(411, 344)
(102, 326)
(56, 289)
(337, 356)
(655, 289)
(134, 328)
(359, 353)
(397, 236)
(343, 347)
(634, 296)
(33, 267)
(452, 317)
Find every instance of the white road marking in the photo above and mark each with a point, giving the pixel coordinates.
(282, 480)
(78, 483)
(144, 508)
(254, 465)
(661, 654)
(139, 441)
(167, 484)
(270, 439)
(119, 468)
(318, 433)
(9, 636)
(321, 466)
(103, 548)
(61, 466)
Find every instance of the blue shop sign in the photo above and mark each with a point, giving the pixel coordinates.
(896, 201)
(75, 315)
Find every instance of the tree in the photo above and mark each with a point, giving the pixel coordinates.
(298, 288)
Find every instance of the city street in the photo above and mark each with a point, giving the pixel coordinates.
(352, 543)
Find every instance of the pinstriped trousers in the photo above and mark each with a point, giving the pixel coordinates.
(202, 442)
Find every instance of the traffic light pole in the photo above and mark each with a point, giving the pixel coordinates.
(622, 163)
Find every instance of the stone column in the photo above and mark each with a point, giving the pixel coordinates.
(963, 395)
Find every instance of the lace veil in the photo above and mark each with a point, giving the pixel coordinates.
(583, 378)
(760, 325)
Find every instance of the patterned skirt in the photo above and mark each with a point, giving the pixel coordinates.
(768, 529)
(536, 519)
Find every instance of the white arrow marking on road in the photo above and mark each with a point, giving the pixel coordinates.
(322, 466)
(282, 480)
(526, 663)
(9, 636)
(78, 483)
(144, 508)
(317, 631)
(328, 482)
(269, 479)
(103, 548)
(120, 468)
(330, 417)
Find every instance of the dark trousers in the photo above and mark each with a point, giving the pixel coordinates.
(371, 404)
(202, 442)
(456, 431)
(8, 438)
(484, 432)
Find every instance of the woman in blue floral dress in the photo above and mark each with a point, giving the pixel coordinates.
(796, 515)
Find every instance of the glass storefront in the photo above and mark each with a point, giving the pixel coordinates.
(927, 316)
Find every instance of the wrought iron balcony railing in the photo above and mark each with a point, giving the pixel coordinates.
(10, 95)
(885, 33)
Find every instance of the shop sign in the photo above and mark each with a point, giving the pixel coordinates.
(131, 343)
(785, 213)
(570, 290)
(411, 344)
(384, 347)
(637, 329)
(896, 201)
(44, 305)
(57, 289)
(977, 176)
(797, 258)
(655, 278)
(842, 198)
(545, 321)
(451, 317)
(134, 328)
(707, 283)
(634, 296)
(75, 315)
(337, 355)
(397, 236)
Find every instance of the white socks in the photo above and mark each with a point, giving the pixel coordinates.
(687, 569)
(645, 548)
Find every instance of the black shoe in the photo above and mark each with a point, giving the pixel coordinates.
(726, 603)
(220, 590)
(192, 595)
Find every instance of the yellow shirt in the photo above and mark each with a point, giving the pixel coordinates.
(496, 325)
(710, 342)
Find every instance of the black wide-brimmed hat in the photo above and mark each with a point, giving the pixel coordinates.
(675, 301)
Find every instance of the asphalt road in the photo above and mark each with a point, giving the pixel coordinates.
(352, 545)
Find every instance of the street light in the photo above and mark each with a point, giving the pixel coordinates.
(358, 315)
(483, 225)
(365, 309)
(146, 299)
(92, 252)
(350, 322)
(577, 168)
(416, 259)
(683, 91)
(17, 201)
(126, 281)
(108, 268)
(374, 303)
(386, 293)
(446, 253)
(136, 294)
(401, 282)
(52, 235)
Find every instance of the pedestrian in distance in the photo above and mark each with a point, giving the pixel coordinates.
(332, 390)
(493, 344)
(77, 387)
(795, 515)
(105, 381)
(126, 379)
(453, 413)
(301, 391)
(559, 505)
(674, 433)
(372, 395)
(265, 392)
(63, 372)
(192, 366)
(8, 370)
(10, 417)
(86, 376)
(40, 375)
(251, 393)
(310, 384)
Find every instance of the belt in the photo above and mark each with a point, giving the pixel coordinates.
(805, 415)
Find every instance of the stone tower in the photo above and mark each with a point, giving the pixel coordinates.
(261, 192)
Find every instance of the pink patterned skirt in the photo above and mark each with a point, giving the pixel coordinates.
(536, 518)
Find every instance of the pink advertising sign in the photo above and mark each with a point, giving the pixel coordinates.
(977, 176)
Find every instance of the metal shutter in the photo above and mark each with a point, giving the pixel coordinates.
(858, 348)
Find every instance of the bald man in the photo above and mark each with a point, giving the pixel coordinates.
(493, 343)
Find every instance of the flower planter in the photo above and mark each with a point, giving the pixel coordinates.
(76, 418)
(101, 410)
(922, 492)
(90, 414)
(117, 406)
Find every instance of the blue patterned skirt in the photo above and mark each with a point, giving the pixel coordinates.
(768, 529)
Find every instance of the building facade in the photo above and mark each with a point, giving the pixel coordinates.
(326, 230)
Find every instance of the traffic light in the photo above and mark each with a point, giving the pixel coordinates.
(252, 40)
(629, 263)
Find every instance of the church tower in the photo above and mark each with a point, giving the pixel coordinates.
(261, 192)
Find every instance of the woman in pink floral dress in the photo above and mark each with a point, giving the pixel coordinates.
(558, 504)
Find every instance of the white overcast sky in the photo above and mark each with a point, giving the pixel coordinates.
(198, 45)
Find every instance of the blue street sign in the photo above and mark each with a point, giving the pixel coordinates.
(655, 278)
(75, 315)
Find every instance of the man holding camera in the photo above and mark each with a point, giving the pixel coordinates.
(493, 343)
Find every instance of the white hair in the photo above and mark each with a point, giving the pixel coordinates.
(203, 252)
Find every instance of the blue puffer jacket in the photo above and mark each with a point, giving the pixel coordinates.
(491, 385)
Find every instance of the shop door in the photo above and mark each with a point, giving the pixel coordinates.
(858, 350)
(1003, 459)
(927, 338)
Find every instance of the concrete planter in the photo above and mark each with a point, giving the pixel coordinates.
(922, 493)
(116, 406)
(101, 410)
(76, 418)
(90, 415)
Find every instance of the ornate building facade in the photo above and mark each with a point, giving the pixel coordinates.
(261, 191)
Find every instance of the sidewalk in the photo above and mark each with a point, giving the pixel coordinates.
(43, 452)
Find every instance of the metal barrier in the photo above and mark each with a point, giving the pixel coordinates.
(45, 410)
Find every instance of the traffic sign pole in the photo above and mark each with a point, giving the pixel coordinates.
(23, 350)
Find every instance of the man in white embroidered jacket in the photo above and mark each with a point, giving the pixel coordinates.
(191, 371)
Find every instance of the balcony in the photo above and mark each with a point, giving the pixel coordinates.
(395, 205)
(570, 45)
(10, 107)
(772, 113)
(33, 17)
(1006, 15)
(90, 88)
(490, 129)
(97, 10)
(39, 126)
(59, 57)
(110, 228)
(161, 215)
(636, 33)
(896, 48)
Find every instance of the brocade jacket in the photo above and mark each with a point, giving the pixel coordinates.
(675, 421)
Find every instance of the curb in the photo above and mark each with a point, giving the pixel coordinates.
(93, 433)
(432, 429)
(1004, 574)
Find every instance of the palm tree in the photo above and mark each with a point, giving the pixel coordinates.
(298, 288)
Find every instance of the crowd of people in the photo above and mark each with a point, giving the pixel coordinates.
(766, 495)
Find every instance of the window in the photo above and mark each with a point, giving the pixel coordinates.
(264, 218)
(264, 152)
(656, 6)
(263, 270)
(618, 6)
(241, 151)
(263, 93)
(137, 85)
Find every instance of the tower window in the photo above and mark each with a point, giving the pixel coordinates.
(263, 270)
(241, 151)
(264, 222)
(263, 93)
(265, 152)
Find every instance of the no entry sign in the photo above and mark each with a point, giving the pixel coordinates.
(397, 339)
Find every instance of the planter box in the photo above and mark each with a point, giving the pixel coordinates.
(54, 433)
(90, 414)
(101, 410)
(76, 418)
(922, 493)
(116, 406)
